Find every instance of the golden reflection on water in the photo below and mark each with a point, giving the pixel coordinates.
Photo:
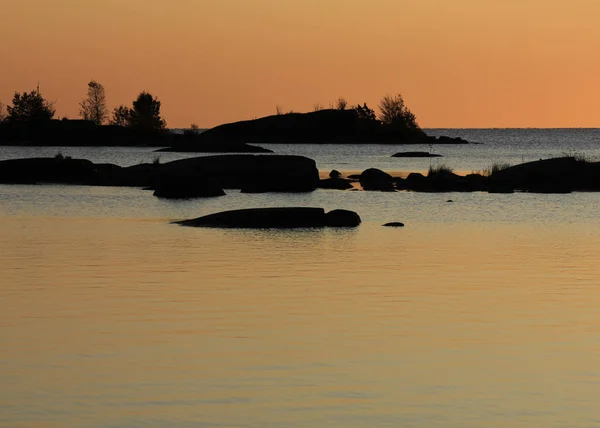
(123, 322)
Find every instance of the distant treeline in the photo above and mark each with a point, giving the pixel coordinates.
(30, 120)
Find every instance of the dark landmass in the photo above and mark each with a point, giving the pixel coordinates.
(85, 133)
(280, 218)
(319, 127)
(416, 155)
(201, 176)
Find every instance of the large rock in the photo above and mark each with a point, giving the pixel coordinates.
(278, 218)
(376, 179)
(260, 172)
(58, 169)
(558, 175)
(252, 173)
(180, 187)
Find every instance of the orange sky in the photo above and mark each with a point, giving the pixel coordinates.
(459, 63)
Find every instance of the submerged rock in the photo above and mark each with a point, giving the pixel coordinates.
(277, 218)
(394, 224)
(416, 155)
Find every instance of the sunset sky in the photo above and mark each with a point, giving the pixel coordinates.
(459, 63)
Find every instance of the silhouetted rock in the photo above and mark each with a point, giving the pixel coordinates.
(46, 170)
(415, 181)
(394, 224)
(335, 183)
(251, 173)
(180, 187)
(335, 174)
(342, 218)
(376, 179)
(279, 218)
(276, 173)
(416, 155)
(558, 175)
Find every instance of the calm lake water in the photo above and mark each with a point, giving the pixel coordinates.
(479, 313)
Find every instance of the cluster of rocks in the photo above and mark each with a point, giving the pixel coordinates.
(557, 175)
(208, 176)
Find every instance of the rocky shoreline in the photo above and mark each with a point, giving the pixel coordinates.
(208, 176)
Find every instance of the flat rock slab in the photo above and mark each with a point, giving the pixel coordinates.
(276, 218)
(416, 155)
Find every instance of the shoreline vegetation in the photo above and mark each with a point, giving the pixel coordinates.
(30, 121)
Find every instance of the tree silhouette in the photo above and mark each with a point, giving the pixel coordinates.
(121, 116)
(93, 107)
(364, 112)
(394, 112)
(145, 114)
(3, 114)
(30, 107)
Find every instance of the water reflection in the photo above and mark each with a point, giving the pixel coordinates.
(135, 322)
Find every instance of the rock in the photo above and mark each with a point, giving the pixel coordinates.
(279, 218)
(267, 173)
(415, 181)
(416, 155)
(59, 169)
(376, 179)
(449, 200)
(335, 174)
(251, 173)
(558, 175)
(400, 183)
(335, 183)
(342, 218)
(394, 224)
(180, 187)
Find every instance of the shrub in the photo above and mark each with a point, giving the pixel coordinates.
(439, 169)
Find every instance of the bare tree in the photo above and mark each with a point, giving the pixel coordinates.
(317, 107)
(394, 112)
(93, 107)
(341, 103)
(278, 110)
